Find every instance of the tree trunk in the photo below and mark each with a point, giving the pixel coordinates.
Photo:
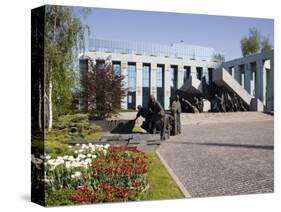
(50, 106)
(50, 86)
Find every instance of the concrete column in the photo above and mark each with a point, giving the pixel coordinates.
(253, 83)
(261, 77)
(232, 72)
(180, 76)
(247, 77)
(193, 72)
(124, 72)
(167, 84)
(153, 72)
(253, 79)
(269, 84)
(139, 68)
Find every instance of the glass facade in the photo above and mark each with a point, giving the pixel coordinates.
(160, 84)
(145, 84)
(116, 66)
(131, 97)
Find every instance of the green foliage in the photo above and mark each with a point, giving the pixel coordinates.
(67, 128)
(162, 186)
(76, 126)
(52, 144)
(254, 43)
(59, 197)
(265, 45)
(64, 37)
(54, 147)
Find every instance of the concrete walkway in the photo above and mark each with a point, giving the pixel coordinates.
(226, 157)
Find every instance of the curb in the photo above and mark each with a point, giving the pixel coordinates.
(173, 175)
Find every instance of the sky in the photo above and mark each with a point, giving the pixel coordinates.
(223, 33)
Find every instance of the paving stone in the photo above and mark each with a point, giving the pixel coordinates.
(223, 158)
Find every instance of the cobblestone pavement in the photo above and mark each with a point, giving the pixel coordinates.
(223, 158)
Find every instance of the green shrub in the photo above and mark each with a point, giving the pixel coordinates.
(75, 125)
(54, 147)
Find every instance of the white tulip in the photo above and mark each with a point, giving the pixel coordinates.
(77, 174)
(88, 160)
(68, 165)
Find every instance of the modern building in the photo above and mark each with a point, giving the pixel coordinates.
(162, 69)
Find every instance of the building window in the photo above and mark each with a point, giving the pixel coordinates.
(199, 72)
(131, 86)
(160, 84)
(116, 66)
(159, 77)
(210, 76)
(132, 77)
(145, 84)
(146, 75)
(186, 73)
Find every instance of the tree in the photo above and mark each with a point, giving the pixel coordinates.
(251, 44)
(218, 57)
(254, 43)
(63, 39)
(104, 89)
(265, 44)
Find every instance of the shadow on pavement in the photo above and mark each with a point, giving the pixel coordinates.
(267, 147)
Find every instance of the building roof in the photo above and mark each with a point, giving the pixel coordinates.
(172, 50)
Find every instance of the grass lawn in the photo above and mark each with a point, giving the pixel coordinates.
(162, 185)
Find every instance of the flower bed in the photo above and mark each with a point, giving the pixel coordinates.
(98, 173)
